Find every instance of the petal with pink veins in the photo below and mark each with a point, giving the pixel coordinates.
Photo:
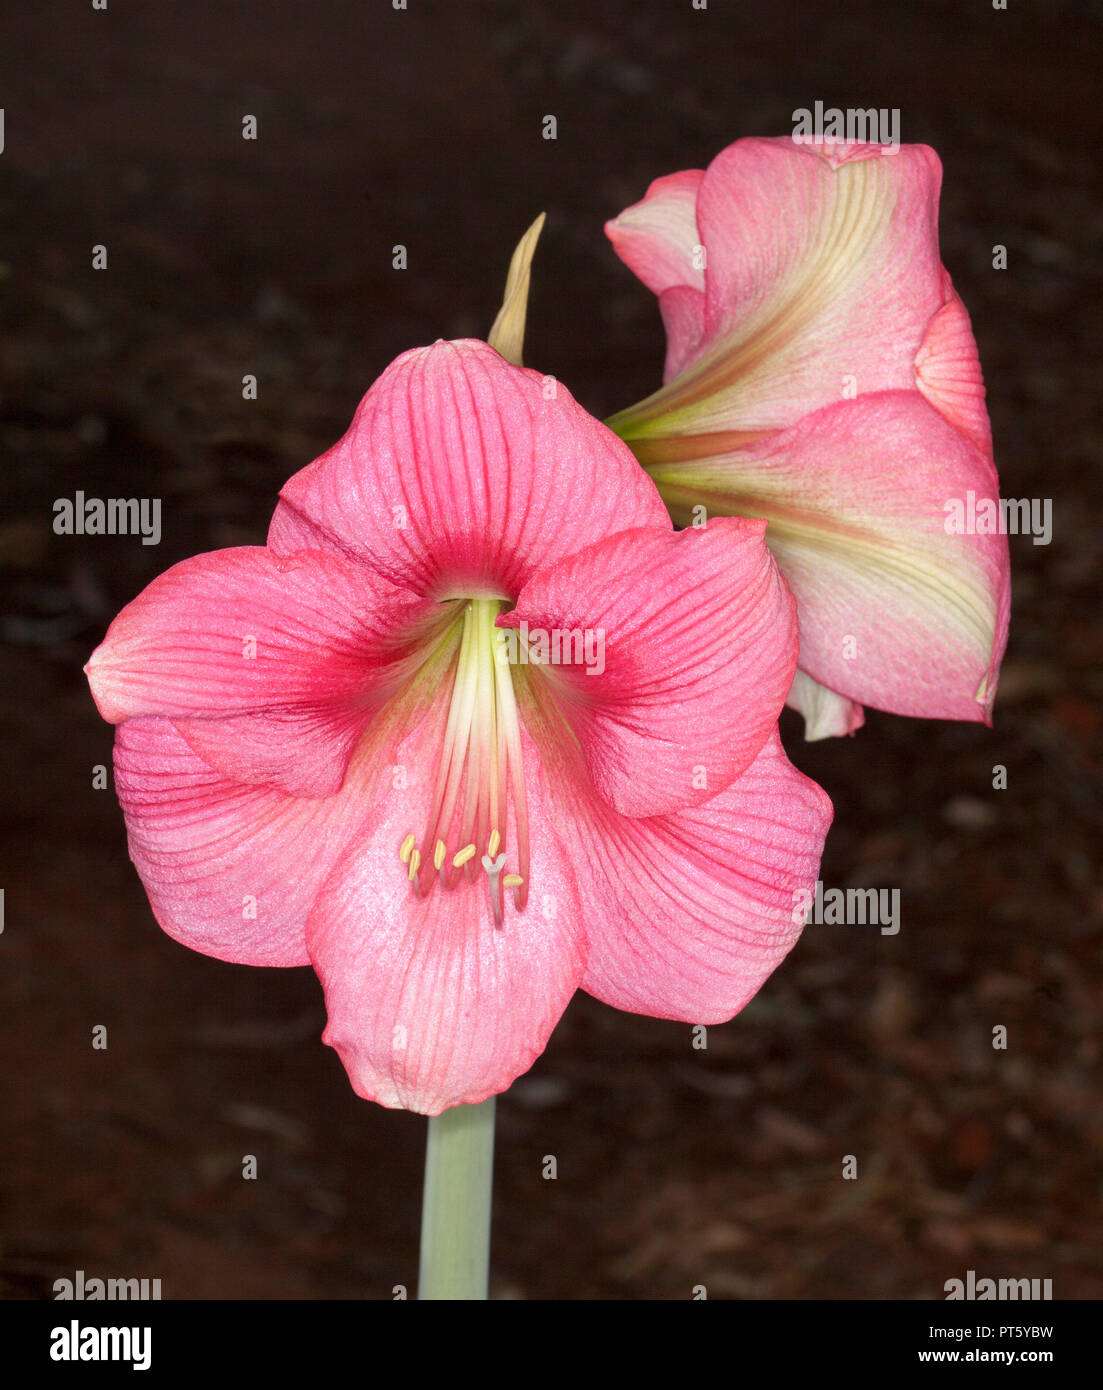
(948, 372)
(462, 474)
(690, 913)
(822, 278)
(698, 641)
(270, 666)
(895, 611)
(682, 313)
(302, 751)
(657, 238)
(430, 1004)
(230, 870)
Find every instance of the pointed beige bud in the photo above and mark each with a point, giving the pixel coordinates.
(508, 333)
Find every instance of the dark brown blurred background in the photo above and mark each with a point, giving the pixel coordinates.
(273, 257)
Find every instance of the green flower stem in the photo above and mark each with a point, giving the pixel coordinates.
(455, 1210)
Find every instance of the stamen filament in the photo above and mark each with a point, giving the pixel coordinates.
(511, 738)
(480, 764)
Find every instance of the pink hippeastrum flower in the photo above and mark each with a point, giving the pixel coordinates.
(353, 747)
(821, 372)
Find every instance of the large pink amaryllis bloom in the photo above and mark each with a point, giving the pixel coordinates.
(475, 728)
(821, 372)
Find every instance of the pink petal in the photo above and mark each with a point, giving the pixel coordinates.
(690, 913)
(848, 151)
(461, 474)
(270, 666)
(304, 752)
(826, 713)
(430, 1005)
(948, 373)
(699, 642)
(894, 611)
(658, 239)
(683, 312)
(205, 846)
(822, 277)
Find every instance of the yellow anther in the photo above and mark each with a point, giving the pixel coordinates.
(438, 855)
(512, 881)
(407, 845)
(492, 847)
(415, 863)
(468, 852)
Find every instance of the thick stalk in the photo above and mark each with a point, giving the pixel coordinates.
(455, 1214)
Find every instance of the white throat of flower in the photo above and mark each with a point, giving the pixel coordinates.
(480, 772)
